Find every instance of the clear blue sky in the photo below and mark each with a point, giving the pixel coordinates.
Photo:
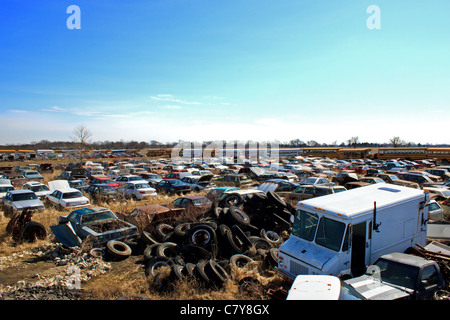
(237, 69)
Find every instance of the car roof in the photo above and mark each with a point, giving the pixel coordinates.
(193, 197)
(20, 191)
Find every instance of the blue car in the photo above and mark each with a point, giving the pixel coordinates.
(218, 193)
(172, 186)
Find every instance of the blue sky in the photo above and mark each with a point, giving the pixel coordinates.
(238, 69)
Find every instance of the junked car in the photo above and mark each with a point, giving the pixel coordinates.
(97, 224)
(137, 190)
(62, 196)
(19, 200)
(40, 189)
(102, 192)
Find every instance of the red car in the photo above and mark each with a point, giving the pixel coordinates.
(105, 180)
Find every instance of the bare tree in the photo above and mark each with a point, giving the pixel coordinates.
(353, 141)
(396, 141)
(81, 135)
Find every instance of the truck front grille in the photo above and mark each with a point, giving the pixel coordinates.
(296, 268)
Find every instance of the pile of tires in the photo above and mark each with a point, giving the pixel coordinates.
(236, 232)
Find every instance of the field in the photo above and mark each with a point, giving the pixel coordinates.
(25, 266)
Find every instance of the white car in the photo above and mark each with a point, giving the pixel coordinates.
(62, 196)
(5, 186)
(40, 189)
(137, 190)
(129, 178)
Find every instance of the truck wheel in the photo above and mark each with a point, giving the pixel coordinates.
(275, 199)
(118, 249)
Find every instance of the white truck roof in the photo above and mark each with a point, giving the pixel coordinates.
(361, 200)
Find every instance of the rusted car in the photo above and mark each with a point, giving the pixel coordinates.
(148, 216)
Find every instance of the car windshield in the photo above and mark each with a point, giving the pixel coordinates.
(201, 202)
(6, 189)
(446, 193)
(97, 217)
(39, 188)
(309, 181)
(72, 195)
(134, 178)
(339, 190)
(108, 189)
(394, 178)
(23, 196)
(394, 273)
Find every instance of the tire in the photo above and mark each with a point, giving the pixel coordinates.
(189, 269)
(276, 200)
(260, 243)
(272, 257)
(201, 273)
(150, 252)
(97, 252)
(237, 240)
(163, 229)
(167, 250)
(181, 229)
(33, 231)
(233, 199)
(240, 260)
(147, 238)
(236, 215)
(271, 236)
(201, 235)
(216, 273)
(153, 265)
(118, 249)
(194, 253)
(177, 272)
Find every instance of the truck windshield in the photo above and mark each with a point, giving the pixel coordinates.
(330, 233)
(305, 225)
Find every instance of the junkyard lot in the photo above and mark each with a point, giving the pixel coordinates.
(125, 277)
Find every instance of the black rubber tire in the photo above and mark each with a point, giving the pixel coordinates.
(233, 199)
(118, 249)
(189, 269)
(154, 264)
(150, 252)
(163, 229)
(181, 229)
(216, 273)
(147, 238)
(238, 216)
(272, 257)
(201, 235)
(276, 200)
(200, 272)
(33, 231)
(177, 272)
(194, 253)
(271, 236)
(240, 260)
(167, 250)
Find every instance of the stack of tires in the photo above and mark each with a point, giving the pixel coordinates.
(235, 233)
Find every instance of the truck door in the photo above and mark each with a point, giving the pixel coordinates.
(358, 249)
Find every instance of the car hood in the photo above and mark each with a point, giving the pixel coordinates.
(373, 289)
(58, 185)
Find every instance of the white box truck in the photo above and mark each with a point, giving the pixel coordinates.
(343, 233)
